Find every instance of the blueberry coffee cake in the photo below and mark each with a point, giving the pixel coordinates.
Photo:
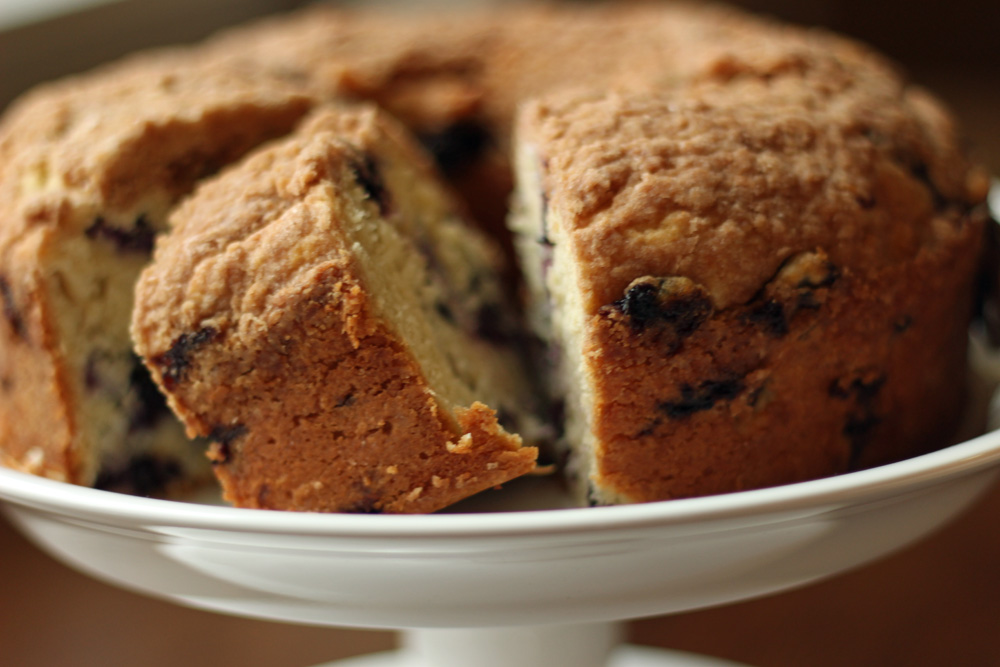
(323, 313)
(747, 283)
(747, 250)
(89, 168)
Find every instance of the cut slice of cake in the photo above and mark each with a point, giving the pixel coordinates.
(89, 168)
(325, 316)
(747, 283)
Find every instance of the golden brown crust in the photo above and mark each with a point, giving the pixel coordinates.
(256, 318)
(456, 79)
(722, 183)
(117, 132)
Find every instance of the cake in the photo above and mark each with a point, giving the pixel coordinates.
(324, 314)
(867, 203)
(456, 79)
(748, 282)
(88, 169)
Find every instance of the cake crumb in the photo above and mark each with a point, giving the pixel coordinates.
(463, 445)
(34, 460)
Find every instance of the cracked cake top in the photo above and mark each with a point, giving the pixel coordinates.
(721, 182)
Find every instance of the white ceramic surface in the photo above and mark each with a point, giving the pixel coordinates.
(623, 656)
(500, 568)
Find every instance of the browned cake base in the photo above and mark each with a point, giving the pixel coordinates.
(378, 441)
(812, 378)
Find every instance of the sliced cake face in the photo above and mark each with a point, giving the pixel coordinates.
(726, 275)
(89, 169)
(325, 316)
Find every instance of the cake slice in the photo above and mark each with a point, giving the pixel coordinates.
(749, 282)
(89, 169)
(324, 315)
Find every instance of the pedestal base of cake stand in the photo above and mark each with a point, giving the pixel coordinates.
(584, 645)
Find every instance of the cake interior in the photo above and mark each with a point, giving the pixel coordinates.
(435, 281)
(127, 438)
(104, 206)
(555, 315)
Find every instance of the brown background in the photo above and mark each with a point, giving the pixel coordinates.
(936, 603)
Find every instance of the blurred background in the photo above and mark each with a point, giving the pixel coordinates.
(936, 603)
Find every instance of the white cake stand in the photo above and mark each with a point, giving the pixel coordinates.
(528, 588)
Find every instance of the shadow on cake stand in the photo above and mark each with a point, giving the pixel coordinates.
(489, 586)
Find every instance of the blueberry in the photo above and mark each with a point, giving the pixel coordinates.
(222, 438)
(11, 312)
(175, 361)
(458, 145)
(369, 177)
(672, 301)
(859, 430)
(140, 238)
(151, 406)
(702, 397)
(770, 315)
(142, 475)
